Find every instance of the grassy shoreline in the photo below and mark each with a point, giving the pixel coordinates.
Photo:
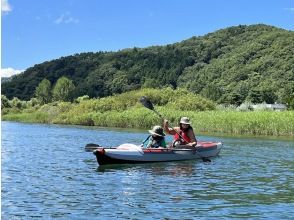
(124, 111)
(268, 123)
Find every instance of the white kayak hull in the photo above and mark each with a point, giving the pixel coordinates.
(129, 153)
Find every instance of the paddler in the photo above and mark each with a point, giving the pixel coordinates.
(184, 134)
(156, 139)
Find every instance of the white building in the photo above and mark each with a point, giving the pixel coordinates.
(274, 107)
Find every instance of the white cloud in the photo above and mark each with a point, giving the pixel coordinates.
(5, 7)
(8, 72)
(66, 18)
(291, 10)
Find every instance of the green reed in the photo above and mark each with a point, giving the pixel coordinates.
(125, 111)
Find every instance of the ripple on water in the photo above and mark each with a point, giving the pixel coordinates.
(46, 174)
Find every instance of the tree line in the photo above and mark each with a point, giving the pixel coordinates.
(62, 91)
(230, 66)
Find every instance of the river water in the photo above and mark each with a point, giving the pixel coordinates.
(46, 174)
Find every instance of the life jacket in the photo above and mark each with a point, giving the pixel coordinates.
(184, 135)
(154, 143)
(158, 143)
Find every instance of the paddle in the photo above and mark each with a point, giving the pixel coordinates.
(91, 147)
(148, 104)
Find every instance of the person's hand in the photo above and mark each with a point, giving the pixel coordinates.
(165, 122)
(192, 144)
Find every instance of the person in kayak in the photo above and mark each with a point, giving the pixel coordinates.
(184, 134)
(156, 139)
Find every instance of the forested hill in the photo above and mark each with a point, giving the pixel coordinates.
(254, 63)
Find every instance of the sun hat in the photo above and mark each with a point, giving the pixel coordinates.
(157, 130)
(185, 120)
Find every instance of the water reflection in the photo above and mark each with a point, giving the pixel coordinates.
(178, 168)
(174, 169)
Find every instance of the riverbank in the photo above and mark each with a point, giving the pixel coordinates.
(228, 122)
(125, 111)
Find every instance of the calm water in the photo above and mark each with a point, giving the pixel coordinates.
(47, 174)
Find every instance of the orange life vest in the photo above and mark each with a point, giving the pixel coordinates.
(184, 135)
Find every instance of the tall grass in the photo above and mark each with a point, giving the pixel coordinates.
(125, 111)
(255, 123)
(39, 117)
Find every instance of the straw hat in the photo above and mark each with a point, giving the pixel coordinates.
(185, 120)
(157, 130)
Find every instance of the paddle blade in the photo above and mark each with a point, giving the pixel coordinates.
(146, 102)
(90, 147)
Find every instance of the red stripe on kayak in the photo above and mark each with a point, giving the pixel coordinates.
(207, 144)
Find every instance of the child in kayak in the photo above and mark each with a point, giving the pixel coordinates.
(156, 139)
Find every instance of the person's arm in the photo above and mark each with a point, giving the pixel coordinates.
(146, 142)
(167, 129)
(192, 137)
(163, 143)
(149, 145)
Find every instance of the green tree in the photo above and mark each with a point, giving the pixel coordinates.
(5, 102)
(63, 89)
(212, 92)
(119, 83)
(151, 83)
(16, 103)
(43, 91)
(255, 96)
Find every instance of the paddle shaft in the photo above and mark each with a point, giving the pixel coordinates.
(148, 104)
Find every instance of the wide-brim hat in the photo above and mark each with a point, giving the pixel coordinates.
(157, 130)
(185, 120)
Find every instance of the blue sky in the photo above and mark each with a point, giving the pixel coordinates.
(34, 31)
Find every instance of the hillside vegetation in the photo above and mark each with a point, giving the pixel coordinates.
(253, 63)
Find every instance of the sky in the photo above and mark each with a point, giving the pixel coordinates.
(35, 31)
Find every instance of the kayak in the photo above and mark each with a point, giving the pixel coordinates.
(130, 153)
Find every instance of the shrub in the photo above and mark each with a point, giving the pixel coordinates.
(82, 98)
(5, 102)
(16, 103)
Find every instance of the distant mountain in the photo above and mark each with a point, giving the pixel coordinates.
(229, 66)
